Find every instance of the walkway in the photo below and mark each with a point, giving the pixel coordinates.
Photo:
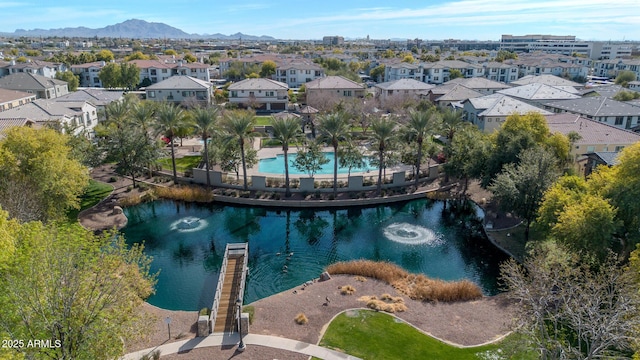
(230, 288)
(250, 339)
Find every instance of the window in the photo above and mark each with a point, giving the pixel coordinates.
(153, 71)
(152, 94)
(591, 149)
(436, 71)
(234, 94)
(619, 148)
(619, 120)
(193, 71)
(347, 93)
(292, 80)
(269, 93)
(164, 71)
(292, 72)
(307, 72)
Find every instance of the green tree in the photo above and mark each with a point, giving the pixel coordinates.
(239, 125)
(467, 155)
(168, 119)
(131, 149)
(205, 121)
(626, 95)
(105, 55)
(72, 80)
(520, 188)
(268, 68)
(567, 190)
(625, 77)
(334, 128)
(129, 76)
(190, 58)
(408, 59)
(587, 227)
(170, 52)
(286, 130)
(383, 134)
(110, 75)
(226, 152)
(421, 125)
(137, 55)
(377, 73)
(311, 159)
(351, 157)
(454, 74)
(40, 180)
(82, 291)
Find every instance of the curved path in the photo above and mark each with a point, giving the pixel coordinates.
(250, 339)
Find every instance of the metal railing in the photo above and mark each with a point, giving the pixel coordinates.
(242, 279)
(218, 294)
(230, 249)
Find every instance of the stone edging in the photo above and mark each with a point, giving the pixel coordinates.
(326, 326)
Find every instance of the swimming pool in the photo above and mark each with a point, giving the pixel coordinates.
(276, 166)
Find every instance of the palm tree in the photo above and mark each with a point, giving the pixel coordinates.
(420, 124)
(239, 124)
(117, 112)
(205, 119)
(334, 127)
(168, 119)
(451, 122)
(383, 133)
(286, 130)
(142, 115)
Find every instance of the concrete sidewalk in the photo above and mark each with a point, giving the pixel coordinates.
(250, 339)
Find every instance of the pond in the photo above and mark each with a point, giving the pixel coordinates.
(290, 247)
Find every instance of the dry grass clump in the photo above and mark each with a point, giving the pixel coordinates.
(367, 298)
(301, 319)
(184, 193)
(393, 299)
(386, 303)
(360, 278)
(417, 287)
(131, 200)
(347, 290)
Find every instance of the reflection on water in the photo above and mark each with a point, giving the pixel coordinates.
(289, 247)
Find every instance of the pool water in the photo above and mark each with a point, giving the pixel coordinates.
(187, 243)
(276, 165)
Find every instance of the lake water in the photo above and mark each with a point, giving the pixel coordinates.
(187, 242)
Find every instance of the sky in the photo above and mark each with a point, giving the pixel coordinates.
(428, 20)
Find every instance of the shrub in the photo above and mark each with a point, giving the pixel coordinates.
(113, 179)
(130, 201)
(360, 278)
(417, 287)
(347, 290)
(251, 311)
(301, 319)
(204, 312)
(185, 193)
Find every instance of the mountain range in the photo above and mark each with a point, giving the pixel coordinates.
(134, 28)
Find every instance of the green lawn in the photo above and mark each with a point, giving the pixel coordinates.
(374, 335)
(95, 192)
(182, 164)
(263, 120)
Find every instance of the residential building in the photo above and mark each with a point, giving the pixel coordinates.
(551, 80)
(37, 67)
(601, 109)
(259, 94)
(97, 97)
(606, 90)
(394, 71)
(88, 73)
(331, 89)
(634, 85)
(42, 87)
(537, 94)
(500, 71)
(181, 89)
(611, 68)
(79, 117)
(599, 158)
(482, 85)
(490, 111)
(10, 99)
(404, 88)
(296, 73)
(452, 93)
(439, 72)
(594, 136)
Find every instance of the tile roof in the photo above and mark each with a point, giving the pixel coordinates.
(545, 79)
(591, 132)
(479, 83)
(596, 106)
(258, 84)
(97, 97)
(42, 110)
(7, 123)
(608, 157)
(404, 84)
(502, 105)
(537, 91)
(180, 82)
(7, 95)
(333, 82)
(28, 81)
(605, 90)
(459, 93)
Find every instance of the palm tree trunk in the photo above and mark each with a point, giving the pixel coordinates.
(206, 161)
(335, 169)
(287, 192)
(244, 164)
(417, 180)
(173, 162)
(381, 160)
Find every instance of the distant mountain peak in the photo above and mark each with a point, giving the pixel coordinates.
(132, 28)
